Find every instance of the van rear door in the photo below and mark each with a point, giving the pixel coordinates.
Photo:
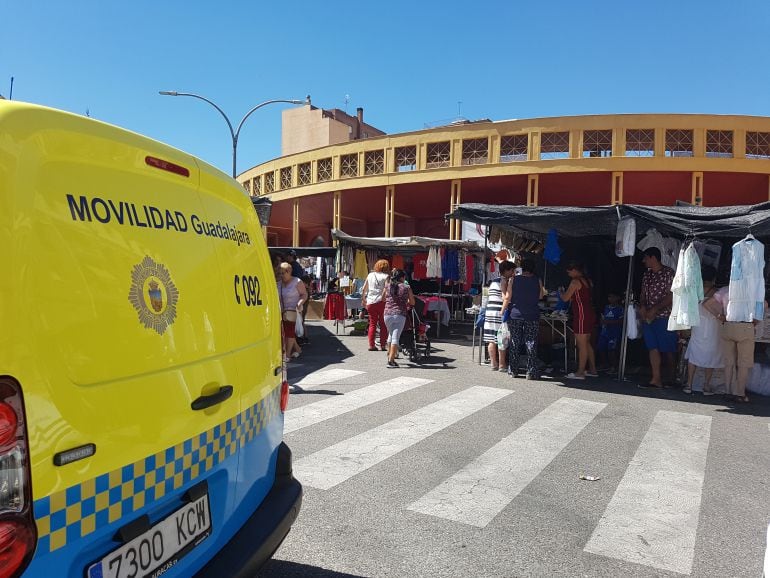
(253, 313)
(115, 327)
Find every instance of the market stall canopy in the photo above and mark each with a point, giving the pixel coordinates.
(404, 243)
(305, 251)
(735, 221)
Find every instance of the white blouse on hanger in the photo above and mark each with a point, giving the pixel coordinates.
(747, 282)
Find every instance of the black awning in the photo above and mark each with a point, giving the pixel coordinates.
(735, 221)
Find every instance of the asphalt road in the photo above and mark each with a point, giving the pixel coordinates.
(450, 469)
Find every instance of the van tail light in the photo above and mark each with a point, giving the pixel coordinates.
(18, 533)
(284, 395)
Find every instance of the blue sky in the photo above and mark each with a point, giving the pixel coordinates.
(406, 63)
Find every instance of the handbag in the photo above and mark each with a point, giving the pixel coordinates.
(290, 315)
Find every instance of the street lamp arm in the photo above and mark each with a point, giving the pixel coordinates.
(260, 105)
(233, 133)
(227, 120)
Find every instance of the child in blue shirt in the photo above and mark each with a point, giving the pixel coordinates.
(610, 334)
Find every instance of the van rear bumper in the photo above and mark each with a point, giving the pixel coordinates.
(264, 531)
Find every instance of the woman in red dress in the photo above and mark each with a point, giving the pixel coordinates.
(583, 320)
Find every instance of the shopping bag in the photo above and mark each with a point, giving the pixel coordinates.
(480, 319)
(503, 336)
(632, 323)
(299, 329)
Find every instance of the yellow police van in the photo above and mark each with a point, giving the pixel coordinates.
(141, 382)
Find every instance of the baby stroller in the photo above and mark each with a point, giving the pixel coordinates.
(414, 340)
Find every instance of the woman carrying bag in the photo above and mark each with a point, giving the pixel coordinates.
(293, 295)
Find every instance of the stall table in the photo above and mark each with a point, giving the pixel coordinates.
(559, 325)
(353, 304)
(438, 304)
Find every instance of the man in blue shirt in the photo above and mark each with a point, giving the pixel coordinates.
(296, 268)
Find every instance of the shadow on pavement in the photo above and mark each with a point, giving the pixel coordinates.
(282, 568)
(758, 406)
(325, 348)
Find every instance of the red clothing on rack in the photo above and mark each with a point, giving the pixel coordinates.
(335, 307)
(469, 263)
(420, 261)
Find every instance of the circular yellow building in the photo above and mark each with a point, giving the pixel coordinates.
(404, 184)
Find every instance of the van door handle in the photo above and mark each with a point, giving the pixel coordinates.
(204, 401)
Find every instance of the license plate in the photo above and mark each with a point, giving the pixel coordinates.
(160, 547)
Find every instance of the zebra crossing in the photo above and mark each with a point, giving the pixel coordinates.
(651, 519)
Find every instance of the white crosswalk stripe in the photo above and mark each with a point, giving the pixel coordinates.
(481, 490)
(652, 518)
(335, 464)
(326, 376)
(314, 413)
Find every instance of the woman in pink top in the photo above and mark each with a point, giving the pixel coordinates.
(398, 296)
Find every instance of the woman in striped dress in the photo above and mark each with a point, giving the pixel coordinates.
(493, 315)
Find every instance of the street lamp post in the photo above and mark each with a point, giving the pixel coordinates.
(234, 133)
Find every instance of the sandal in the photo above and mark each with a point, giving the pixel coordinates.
(687, 390)
(592, 374)
(495, 368)
(574, 376)
(649, 386)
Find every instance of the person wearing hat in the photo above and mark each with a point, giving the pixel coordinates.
(296, 268)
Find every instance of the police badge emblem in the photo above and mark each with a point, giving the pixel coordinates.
(153, 295)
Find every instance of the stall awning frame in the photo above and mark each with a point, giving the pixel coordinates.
(404, 244)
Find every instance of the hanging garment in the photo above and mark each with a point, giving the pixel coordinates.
(434, 263)
(632, 322)
(687, 290)
(668, 247)
(335, 307)
(625, 237)
(420, 263)
(494, 235)
(449, 267)
(346, 259)
(652, 239)
(397, 262)
(552, 251)
(372, 257)
(747, 282)
(709, 252)
(360, 266)
(670, 252)
(470, 271)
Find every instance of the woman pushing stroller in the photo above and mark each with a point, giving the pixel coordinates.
(398, 296)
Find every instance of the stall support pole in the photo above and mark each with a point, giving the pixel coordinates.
(484, 260)
(624, 342)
